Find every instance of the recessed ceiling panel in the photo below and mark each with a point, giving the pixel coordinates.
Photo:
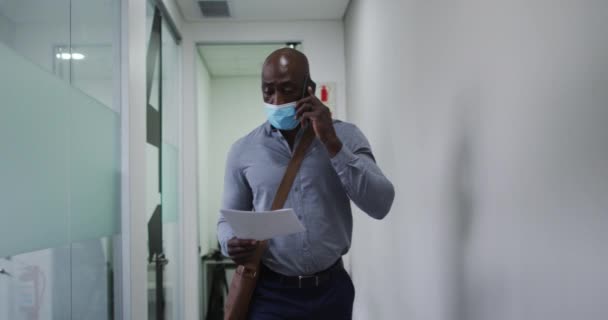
(231, 60)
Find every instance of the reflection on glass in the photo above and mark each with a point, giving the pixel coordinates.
(94, 54)
(32, 29)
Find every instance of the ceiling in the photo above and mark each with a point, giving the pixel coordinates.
(230, 60)
(271, 10)
(58, 12)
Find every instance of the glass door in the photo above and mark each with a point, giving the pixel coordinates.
(163, 158)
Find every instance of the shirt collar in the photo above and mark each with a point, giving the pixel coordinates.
(268, 128)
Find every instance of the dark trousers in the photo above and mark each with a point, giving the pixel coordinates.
(331, 300)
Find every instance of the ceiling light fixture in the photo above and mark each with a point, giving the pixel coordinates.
(292, 45)
(69, 56)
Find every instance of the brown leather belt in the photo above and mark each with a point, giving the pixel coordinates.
(310, 281)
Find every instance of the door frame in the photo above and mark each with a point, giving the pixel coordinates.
(131, 296)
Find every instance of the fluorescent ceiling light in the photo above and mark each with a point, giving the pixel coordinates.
(68, 56)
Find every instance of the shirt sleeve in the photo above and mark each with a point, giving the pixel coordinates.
(361, 177)
(237, 195)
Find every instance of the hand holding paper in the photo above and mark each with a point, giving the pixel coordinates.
(262, 225)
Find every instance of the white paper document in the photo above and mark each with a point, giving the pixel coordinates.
(262, 225)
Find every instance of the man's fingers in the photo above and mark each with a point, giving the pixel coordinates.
(235, 250)
(234, 242)
(313, 115)
(307, 118)
(307, 107)
(242, 242)
(311, 92)
(309, 99)
(311, 108)
(239, 249)
(241, 259)
(241, 255)
(304, 101)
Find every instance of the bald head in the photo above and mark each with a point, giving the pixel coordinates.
(287, 60)
(285, 76)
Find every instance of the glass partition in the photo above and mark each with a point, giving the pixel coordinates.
(60, 159)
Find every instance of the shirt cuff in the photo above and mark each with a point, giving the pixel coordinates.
(342, 159)
(224, 243)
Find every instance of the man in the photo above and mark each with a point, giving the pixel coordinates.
(302, 276)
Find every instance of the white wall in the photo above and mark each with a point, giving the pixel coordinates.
(490, 120)
(236, 109)
(203, 86)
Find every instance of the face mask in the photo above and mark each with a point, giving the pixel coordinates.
(282, 117)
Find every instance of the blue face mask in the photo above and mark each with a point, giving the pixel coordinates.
(282, 117)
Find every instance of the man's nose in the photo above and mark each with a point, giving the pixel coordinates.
(278, 99)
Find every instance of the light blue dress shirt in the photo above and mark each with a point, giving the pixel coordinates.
(320, 195)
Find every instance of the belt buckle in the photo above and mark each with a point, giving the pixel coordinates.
(307, 277)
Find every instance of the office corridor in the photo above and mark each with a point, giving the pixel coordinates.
(488, 117)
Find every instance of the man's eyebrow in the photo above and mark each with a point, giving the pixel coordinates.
(290, 82)
(280, 82)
